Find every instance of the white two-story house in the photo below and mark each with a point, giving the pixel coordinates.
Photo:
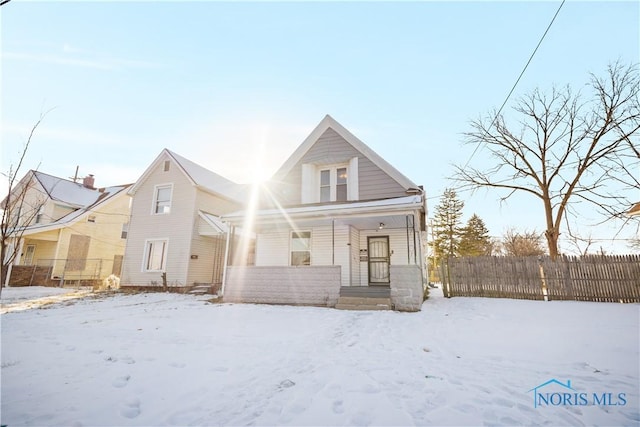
(176, 238)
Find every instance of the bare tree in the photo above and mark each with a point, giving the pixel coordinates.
(18, 212)
(526, 243)
(565, 150)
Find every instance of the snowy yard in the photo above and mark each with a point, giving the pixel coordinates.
(166, 359)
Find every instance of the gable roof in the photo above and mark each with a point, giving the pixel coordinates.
(329, 122)
(103, 196)
(198, 176)
(61, 190)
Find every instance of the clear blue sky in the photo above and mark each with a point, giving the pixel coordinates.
(237, 86)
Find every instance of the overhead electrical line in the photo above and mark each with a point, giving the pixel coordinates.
(517, 81)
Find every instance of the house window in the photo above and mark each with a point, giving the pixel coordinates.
(155, 255)
(333, 184)
(39, 215)
(341, 184)
(125, 230)
(325, 185)
(162, 199)
(301, 248)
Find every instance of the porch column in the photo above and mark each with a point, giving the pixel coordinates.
(226, 260)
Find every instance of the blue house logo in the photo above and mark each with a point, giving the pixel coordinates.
(557, 393)
(544, 398)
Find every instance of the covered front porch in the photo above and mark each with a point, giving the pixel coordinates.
(316, 255)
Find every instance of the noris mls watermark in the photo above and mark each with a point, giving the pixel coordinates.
(557, 393)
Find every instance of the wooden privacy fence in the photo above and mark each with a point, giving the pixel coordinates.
(604, 278)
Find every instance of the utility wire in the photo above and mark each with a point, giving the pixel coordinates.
(517, 81)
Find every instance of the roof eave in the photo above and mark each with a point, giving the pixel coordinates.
(335, 211)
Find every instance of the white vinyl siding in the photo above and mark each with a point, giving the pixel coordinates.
(178, 227)
(273, 248)
(354, 244)
(309, 183)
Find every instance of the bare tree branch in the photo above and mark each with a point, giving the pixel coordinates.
(567, 150)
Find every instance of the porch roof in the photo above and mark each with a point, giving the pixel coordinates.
(215, 226)
(394, 206)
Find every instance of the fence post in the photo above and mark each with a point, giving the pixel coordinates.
(448, 295)
(545, 293)
(164, 280)
(567, 277)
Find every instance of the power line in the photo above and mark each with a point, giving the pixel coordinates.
(517, 81)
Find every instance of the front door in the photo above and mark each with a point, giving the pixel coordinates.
(28, 254)
(378, 248)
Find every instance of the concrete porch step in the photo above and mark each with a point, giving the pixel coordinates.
(365, 291)
(201, 289)
(363, 303)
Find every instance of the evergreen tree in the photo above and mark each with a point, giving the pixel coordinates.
(475, 240)
(447, 225)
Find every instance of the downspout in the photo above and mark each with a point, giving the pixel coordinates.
(226, 262)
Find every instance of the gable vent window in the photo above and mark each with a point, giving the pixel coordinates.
(92, 218)
(167, 164)
(125, 230)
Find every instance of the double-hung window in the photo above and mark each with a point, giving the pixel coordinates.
(162, 199)
(155, 255)
(300, 248)
(333, 184)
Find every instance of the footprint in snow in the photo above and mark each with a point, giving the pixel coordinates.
(286, 384)
(130, 408)
(128, 360)
(338, 407)
(121, 381)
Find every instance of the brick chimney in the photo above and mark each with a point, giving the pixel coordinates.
(88, 181)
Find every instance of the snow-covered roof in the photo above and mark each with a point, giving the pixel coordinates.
(102, 195)
(329, 122)
(336, 209)
(66, 191)
(199, 176)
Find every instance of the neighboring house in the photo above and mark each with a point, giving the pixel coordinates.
(66, 232)
(635, 210)
(337, 226)
(176, 237)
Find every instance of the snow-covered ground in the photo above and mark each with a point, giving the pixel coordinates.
(25, 298)
(166, 359)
